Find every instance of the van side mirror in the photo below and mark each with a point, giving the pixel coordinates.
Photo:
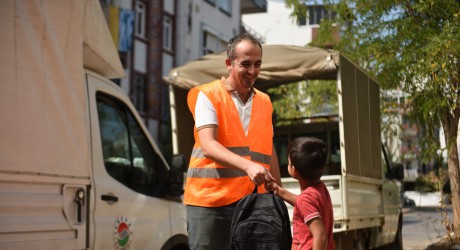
(398, 171)
(176, 175)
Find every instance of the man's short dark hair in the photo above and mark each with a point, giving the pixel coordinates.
(309, 156)
(236, 40)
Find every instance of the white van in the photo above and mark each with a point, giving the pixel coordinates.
(78, 168)
(134, 197)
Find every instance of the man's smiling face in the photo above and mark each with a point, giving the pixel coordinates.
(245, 68)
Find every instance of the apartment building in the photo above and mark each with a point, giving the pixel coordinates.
(154, 36)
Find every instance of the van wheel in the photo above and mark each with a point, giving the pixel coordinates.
(180, 247)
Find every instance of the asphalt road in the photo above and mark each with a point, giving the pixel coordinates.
(423, 227)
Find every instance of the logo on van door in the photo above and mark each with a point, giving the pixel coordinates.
(122, 234)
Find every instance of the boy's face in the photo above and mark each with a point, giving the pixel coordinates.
(291, 169)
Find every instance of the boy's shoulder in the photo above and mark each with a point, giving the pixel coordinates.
(314, 191)
(318, 186)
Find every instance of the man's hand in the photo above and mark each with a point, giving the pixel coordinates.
(259, 174)
(215, 151)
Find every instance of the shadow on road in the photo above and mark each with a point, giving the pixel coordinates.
(424, 228)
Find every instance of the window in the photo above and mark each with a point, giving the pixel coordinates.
(212, 2)
(225, 6)
(140, 19)
(167, 33)
(128, 155)
(165, 111)
(316, 13)
(139, 92)
(302, 21)
(212, 43)
(282, 138)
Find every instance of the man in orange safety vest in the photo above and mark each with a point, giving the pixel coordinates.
(233, 151)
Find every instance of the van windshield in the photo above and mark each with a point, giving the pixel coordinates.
(128, 156)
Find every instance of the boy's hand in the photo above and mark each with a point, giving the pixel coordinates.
(272, 187)
(281, 192)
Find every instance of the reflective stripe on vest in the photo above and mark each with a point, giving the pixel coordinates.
(225, 172)
(241, 151)
(214, 173)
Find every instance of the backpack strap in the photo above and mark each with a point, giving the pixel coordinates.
(255, 190)
(281, 207)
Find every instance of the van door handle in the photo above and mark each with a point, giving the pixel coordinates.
(80, 200)
(110, 198)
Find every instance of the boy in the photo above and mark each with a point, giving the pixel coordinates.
(313, 216)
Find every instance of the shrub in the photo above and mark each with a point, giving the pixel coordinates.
(431, 182)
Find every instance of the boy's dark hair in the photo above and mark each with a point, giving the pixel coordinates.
(236, 40)
(309, 156)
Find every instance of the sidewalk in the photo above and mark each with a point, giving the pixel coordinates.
(423, 228)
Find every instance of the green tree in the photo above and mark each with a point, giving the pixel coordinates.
(296, 101)
(413, 46)
(287, 103)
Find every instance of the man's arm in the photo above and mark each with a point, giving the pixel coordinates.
(319, 233)
(217, 152)
(275, 168)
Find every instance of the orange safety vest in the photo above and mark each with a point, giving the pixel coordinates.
(210, 184)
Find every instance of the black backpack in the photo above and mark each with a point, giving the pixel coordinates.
(261, 221)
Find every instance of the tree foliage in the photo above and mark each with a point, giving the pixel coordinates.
(296, 101)
(412, 46)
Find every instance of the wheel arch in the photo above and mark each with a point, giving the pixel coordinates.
(177, 242)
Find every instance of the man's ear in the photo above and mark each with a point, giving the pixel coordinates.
(228, 62)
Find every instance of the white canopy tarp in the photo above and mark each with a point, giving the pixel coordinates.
(45, 47)
(280, 64)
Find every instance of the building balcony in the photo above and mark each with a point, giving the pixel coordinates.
(410, 174)
(253, 6)
(409, 133)
(253, 32)
(408, 157)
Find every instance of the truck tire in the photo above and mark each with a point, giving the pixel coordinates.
(398, 242)
(361, 241)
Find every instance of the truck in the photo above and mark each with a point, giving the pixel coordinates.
(365, 194)
(78, 167)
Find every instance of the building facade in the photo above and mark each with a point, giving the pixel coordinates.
(153, 36)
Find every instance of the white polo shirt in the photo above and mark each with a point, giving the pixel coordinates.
(205, 113)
